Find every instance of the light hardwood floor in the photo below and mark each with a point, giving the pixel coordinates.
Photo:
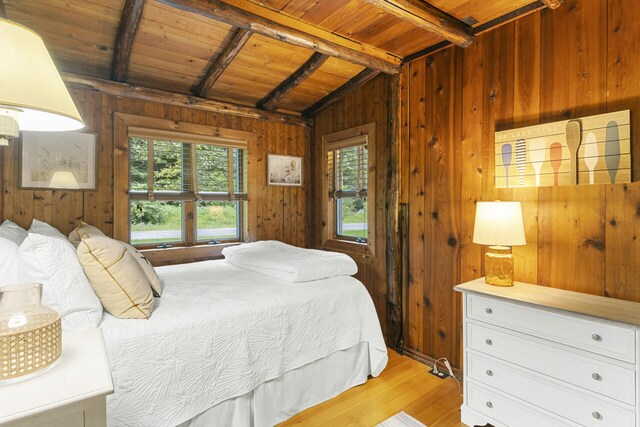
(405, 385)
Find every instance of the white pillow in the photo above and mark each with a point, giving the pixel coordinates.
(9, 272)
(13, 232)
(53, 262)
(39, 227)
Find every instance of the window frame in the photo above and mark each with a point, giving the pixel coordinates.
(127, 126)
(342, 139)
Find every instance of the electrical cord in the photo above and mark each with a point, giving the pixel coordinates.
(447, 365)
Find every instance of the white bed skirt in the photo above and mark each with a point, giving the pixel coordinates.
(277, 400)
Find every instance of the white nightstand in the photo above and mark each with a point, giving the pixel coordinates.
(72, 393)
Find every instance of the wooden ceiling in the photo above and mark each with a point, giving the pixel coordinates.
(288, 56)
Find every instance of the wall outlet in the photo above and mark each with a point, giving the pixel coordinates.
(439, 374)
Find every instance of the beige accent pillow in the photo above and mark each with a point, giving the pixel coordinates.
(148, 269)
(116, 277)
(83, 230)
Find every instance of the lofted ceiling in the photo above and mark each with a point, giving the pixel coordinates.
(257, 52)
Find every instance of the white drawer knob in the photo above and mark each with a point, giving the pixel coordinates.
(596, 376)
(490, 405)
(597, 415)
(488, 310)
(596, 337)
(488, 341)
(489, 372)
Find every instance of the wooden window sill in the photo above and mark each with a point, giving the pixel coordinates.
(349, 246)
(184, 254)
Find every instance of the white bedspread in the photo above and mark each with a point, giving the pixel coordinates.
(218, 331)
(290, 263)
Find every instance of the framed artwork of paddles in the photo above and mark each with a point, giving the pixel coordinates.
(583, 151)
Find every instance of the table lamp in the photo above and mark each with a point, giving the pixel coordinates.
(499, 225)
(32, 93)
(32, 97)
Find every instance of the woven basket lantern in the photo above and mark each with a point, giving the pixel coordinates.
(30, 333)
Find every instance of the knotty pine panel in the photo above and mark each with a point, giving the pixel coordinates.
(276, 213)
(416, 190)
(364, 105)
(443, 94)
(574, 61)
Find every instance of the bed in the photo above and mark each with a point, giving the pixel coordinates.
(226, 346)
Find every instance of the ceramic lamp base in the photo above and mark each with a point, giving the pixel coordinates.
(498, 266)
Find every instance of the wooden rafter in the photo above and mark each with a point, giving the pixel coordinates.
(232, 15)
(301, 74)
(553, 4)
(222, 61)
(358, 81)
(480, 29)
(129, 24)
(429, 18)
(177, 99)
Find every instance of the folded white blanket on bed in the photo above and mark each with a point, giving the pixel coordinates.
(290, 263)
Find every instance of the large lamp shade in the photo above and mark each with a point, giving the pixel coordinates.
(31, 89)
(499, 223)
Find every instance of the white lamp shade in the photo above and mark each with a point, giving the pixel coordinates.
(499, 223)
(30, 82)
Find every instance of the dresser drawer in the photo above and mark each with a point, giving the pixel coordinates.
(509, 411)
(596, 375)
(602, 338)
(581, 407)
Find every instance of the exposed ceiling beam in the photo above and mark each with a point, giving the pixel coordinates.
(429, 18)
(232, 15)
(301, 74)
(129, 24)
(177, 99)
(358, 81)
(552, 4)
(480, 29)
(217, 67)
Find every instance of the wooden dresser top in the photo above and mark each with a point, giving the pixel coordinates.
(612, 309)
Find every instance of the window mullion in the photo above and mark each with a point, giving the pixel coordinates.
(190, 208)
(359, 168)
(150, 170)
(230, 175)
(195, 187)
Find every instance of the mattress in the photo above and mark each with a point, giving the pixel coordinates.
(219, 331)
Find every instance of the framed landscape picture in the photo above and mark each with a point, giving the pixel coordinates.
(284, 170)
(58, 160)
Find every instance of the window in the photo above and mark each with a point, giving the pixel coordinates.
(349, 179)
(179, 185)
(348, 170)
(168, 179)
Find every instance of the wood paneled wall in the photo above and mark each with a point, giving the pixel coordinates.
(577, 60)
(364, 105)
(274, 212)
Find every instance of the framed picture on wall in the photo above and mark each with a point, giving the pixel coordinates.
(284, 170)
(58, 160)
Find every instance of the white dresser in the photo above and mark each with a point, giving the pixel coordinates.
(537, 356)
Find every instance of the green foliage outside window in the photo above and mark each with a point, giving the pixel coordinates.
(162, 221)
